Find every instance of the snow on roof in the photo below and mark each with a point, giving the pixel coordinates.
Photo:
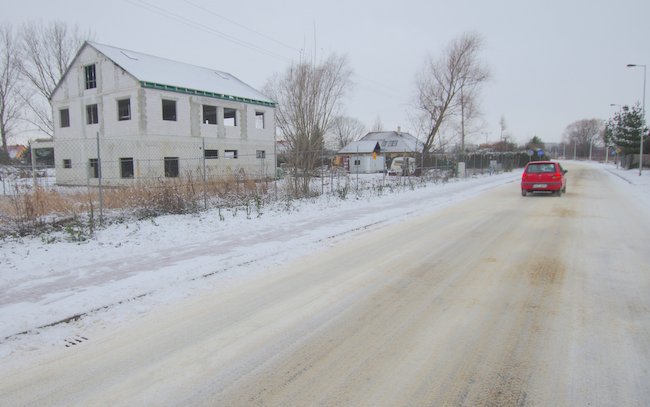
(361, 146)
(161, 71)
(394, 141)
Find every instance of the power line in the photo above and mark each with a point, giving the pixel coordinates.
(202, 27)
(369, 84)
(242, 26)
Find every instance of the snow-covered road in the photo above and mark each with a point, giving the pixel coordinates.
(141, 265)
(495, 300)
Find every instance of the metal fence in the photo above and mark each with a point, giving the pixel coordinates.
(203, 161)
(125, 161)
(91, 179)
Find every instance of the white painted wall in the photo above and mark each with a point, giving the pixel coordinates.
(367, 164)
(147, 137)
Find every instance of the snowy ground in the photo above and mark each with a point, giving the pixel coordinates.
(129, 269)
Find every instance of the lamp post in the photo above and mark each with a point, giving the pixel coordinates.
(643, 107)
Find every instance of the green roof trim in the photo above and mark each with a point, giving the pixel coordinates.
(152, 85)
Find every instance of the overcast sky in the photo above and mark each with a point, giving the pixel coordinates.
(553, 62)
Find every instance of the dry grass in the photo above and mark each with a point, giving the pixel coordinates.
(34, 210)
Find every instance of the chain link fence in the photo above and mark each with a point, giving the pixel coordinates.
(94, 180)
(124, 162)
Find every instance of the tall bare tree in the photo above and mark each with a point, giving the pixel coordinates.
(47, 51)
(470, 115)
(583, 134)
(377, 126)
(346, 129)
(504, 126)
(441, 80)
(308, 96)
(11, 100)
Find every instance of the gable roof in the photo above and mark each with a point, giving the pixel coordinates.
(361, 147)
(165, 74)
(395, 141)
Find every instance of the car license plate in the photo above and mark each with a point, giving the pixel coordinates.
(539, 185)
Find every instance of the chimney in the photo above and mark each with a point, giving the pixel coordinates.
(399, 129)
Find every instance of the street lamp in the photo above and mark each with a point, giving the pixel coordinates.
(643, 107)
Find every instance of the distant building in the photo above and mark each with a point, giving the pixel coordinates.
(43, 149)
(395, 143)
(16, 151)
(363, 156)
(391, 143)
(155, 118)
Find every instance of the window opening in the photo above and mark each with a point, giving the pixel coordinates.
(91, 78)
(230, 154)
(209, 114)
(67, 163)
(94, 168)
(260, 154)
(64, 115)
(124, 109)
(169, 110)
(171, 167)
(126, 167)
(92, 116)
(211, 154)
(230, 117)
(259, 120)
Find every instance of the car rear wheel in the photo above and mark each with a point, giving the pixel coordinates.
(523, 192)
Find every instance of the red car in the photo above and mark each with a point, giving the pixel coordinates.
(547, 176)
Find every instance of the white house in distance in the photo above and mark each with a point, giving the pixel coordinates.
(395, 143)
(150, 118)
(363, 155)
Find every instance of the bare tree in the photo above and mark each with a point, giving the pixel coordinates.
(377, 126)
(471, 121)
(47, 51)
(346, 129)
(503, 125)
(11, 100)
(583, 134)
(308, 97)
(440, 82)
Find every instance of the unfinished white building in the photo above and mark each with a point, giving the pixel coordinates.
(126, 116)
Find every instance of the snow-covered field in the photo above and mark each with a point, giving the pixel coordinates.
(129, 269)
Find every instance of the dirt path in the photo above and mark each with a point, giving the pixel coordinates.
(499, 301)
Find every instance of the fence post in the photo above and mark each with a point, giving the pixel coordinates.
(205, 184)
(275, 165)
(99, 180)
(33, 166)
(357, 169)
(383, 178)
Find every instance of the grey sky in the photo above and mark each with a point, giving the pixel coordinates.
(553, 62)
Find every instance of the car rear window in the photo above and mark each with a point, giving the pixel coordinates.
(535, 168)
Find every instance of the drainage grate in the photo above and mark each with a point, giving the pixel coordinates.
(75, 340)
